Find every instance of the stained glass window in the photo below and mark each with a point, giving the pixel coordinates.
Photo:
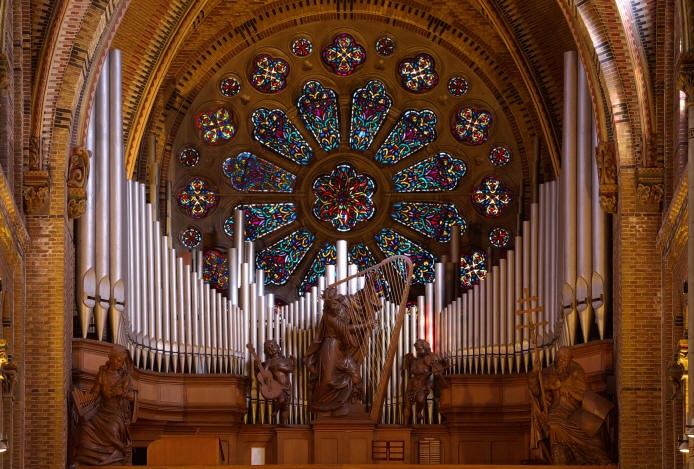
(229, 87)
(499, 156)
(191, 237)
(189, 157)
(413, 131)
(343, 197)
(197, 198)
(326, 255)
(499, 237)
(392, 243)
(274, 130)
(473, 268)
(344, 55)
(385, 46)
(434, 174)
(472, 125)
(418, 74)
(215, 269)
(370, 106)
(491, 197)
(269, 74)
(361, 256)
(318, 110)
(458, 86)
(281, 259)
(433, 220)
(251, 173)
(302, 47)
(261, 219)
(216, 126)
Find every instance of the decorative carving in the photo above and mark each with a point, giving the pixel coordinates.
(572, 419)
(335, 357)
(649, 155)
(36, 192)
(102, 436)
(649, 189)
(273, 378)
(77, 176)
(607, 176)
(421, 371)
(36, 162)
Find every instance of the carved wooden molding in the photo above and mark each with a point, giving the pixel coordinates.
(607, 176)
(77, 176)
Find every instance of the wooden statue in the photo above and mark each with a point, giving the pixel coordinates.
(335, 357)
(105, 412)
(273, 378)
(570, 416)
(421, 370)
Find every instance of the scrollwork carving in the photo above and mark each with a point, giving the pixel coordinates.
(77, 176)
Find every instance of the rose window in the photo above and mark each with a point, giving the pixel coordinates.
(360, 141)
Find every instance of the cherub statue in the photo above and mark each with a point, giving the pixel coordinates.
(421, 370)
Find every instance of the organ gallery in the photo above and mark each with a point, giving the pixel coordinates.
(356, 232)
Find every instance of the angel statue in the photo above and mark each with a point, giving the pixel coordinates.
(421, 370)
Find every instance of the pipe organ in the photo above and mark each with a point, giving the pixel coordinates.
(135, 289)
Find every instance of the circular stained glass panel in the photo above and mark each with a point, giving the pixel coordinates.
(385, 46)
(191, 237)
(301, 47)
(458, 86)
(229, 87)
(499, 237)
(499, 156)
(189, 157)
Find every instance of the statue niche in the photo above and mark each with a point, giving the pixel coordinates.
(102, 433)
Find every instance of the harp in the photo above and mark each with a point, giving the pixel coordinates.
(377, 296)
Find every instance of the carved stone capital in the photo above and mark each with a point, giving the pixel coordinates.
(649, 153)
(649, 189)
(77, 176)
(607, 176)
(36, 192)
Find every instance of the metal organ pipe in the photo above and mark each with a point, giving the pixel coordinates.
(86, 237)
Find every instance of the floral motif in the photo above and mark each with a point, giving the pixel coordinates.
(344, 55)
(385, 46)
(229, 87)
(343, 197)
(302, 47)
(499, 237)
(197, 198)
(269, 73)
(413, 131)
(491, 197)
(418, 74)
(215, 269)
(499, 156)
(191, 237)
(473, 268)
(217, 126)
(472, 125)
(458, 86)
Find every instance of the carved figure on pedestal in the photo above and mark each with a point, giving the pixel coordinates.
(105, 412)
(334, 358)
(273, 378)
(421, 371)
(570, 416)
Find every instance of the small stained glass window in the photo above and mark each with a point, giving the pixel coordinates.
(458, 86)
(344, 197)
(247, 172)
(385, 46)
(433, 220)
(492, 197)
(197, 198)
(281, 259)
(302, 47)
(413, 131)
(319, 110)
(191, 237)
(215, 269)
(499, 237)
(276, 131)
(434, 174)
(326, 255)
(392, 243)
(418, 74)
(370, 106)
(216, 126)
(473, 269)
(472, 125)
(189, 157)
(499, 156)
(269, 74)
(229, 86)
(344, 54)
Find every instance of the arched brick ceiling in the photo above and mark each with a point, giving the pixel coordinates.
(188, 43)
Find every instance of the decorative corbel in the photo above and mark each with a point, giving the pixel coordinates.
(77, 176)
(607, 176)
(36, 181)
(649, 189)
